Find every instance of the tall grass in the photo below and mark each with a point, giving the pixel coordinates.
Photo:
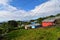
(52, 33)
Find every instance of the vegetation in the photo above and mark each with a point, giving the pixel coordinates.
(49, 33)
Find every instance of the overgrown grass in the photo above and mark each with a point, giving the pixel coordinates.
(50, 33)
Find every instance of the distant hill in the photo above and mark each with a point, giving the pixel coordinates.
(39, 20)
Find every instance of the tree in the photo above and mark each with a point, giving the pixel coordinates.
(19, 23)
(32, 20)
(39, 20)
(58, 14)
(12, 25)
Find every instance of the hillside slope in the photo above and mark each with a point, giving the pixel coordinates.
(51, 33)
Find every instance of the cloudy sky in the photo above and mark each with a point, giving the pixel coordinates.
(27, 9)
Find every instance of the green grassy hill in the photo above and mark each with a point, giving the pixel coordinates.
(51, 33)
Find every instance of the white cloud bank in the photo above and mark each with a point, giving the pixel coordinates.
(8, 12)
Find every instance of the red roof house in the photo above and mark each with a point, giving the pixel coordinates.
(48, 22)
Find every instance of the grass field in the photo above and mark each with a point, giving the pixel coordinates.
(50, 33)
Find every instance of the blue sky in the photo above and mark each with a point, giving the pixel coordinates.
(26, 4)
(27, 9)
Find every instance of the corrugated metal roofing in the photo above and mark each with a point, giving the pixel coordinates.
(32, 25)
(36, 24)
(51, 19)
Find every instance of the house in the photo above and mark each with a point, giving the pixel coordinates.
(49, 21)
(32, 26)
(37, 25)
(57, 22)
(27, 26)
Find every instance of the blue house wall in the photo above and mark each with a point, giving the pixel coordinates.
(34, 26)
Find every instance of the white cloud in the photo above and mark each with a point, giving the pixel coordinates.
(4, 1)
(48, 8)
(8, 12)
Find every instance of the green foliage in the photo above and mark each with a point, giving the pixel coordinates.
(25, 23)
(57, 22)
(52, 33)
(32, 20)
(19, 23)
(58, 14)
(22, 28)
(12, 23)
(39, 20)
(3, 28)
